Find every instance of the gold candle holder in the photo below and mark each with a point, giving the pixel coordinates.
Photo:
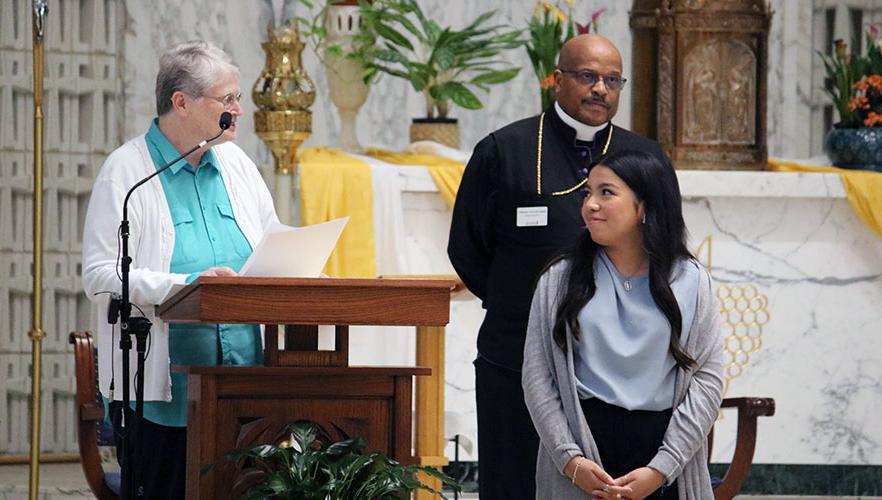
(283, 94)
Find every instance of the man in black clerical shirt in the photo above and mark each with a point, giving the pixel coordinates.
(519, 203)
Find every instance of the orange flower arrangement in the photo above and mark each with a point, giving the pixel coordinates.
(859, 102)
(873, 119)
(854, 81)
(867, 104)
(547, 82)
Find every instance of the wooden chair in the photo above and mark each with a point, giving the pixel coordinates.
(748, 411)
(90, 414)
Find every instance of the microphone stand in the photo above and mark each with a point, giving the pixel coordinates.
(138, 326)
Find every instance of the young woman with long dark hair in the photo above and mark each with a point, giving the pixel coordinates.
(622, 366)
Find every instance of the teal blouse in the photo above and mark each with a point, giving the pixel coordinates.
(206, 235)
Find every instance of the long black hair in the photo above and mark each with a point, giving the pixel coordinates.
(654, 182)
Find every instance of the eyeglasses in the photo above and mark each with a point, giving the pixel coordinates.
(228, 100)
(590, 78)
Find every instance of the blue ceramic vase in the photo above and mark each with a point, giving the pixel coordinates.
(855, 147)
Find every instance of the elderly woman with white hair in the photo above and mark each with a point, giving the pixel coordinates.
(202, 216)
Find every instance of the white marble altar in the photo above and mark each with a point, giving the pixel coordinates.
(792, 235)
(796, 238)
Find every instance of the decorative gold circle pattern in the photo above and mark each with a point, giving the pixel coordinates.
(744, 312)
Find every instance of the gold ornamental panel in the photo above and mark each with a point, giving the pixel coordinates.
(744, 313)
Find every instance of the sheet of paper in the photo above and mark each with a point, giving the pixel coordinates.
(294, 252)
(174, 289)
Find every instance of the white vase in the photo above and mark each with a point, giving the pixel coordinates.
(345, 83)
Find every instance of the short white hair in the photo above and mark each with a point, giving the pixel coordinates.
(189, 67)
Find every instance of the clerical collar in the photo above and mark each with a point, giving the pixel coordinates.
(584, 132)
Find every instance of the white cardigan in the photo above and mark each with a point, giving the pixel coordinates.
(151, 243)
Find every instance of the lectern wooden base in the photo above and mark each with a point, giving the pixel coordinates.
(238, 407)
(374, 403)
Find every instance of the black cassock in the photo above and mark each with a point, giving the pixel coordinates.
(509, 219)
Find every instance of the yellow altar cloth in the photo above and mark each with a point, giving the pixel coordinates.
(334, 184)
(446, 173)
(862, 187)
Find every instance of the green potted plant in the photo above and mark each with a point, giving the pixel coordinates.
(444, 64)
(854, 83)
(307, 464)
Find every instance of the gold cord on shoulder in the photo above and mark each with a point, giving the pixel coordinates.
(570, 190)
(539, 156)
(608, 139)
(539, 160)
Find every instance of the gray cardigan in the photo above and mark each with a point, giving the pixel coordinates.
(550, 394)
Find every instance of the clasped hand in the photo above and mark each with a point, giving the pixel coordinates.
(635, 485)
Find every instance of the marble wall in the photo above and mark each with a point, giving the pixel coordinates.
(791, 98)
(239, 26)
(81, 105)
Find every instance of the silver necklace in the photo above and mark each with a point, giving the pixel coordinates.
(626, 279)
(627, 282)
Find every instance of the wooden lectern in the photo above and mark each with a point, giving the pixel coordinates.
(239, 407)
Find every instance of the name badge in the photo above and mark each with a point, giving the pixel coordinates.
(532, 216)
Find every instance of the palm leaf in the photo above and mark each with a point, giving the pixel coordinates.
(479, 20)
(461, 95)
(393, 36)
(493, 77)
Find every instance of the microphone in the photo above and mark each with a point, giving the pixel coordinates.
(226, 120)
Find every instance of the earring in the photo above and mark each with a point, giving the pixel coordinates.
(644, 217)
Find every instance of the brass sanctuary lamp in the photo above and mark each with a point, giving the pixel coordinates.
(283, 94)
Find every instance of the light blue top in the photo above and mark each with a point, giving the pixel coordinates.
(622, 356)
(206, 235)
